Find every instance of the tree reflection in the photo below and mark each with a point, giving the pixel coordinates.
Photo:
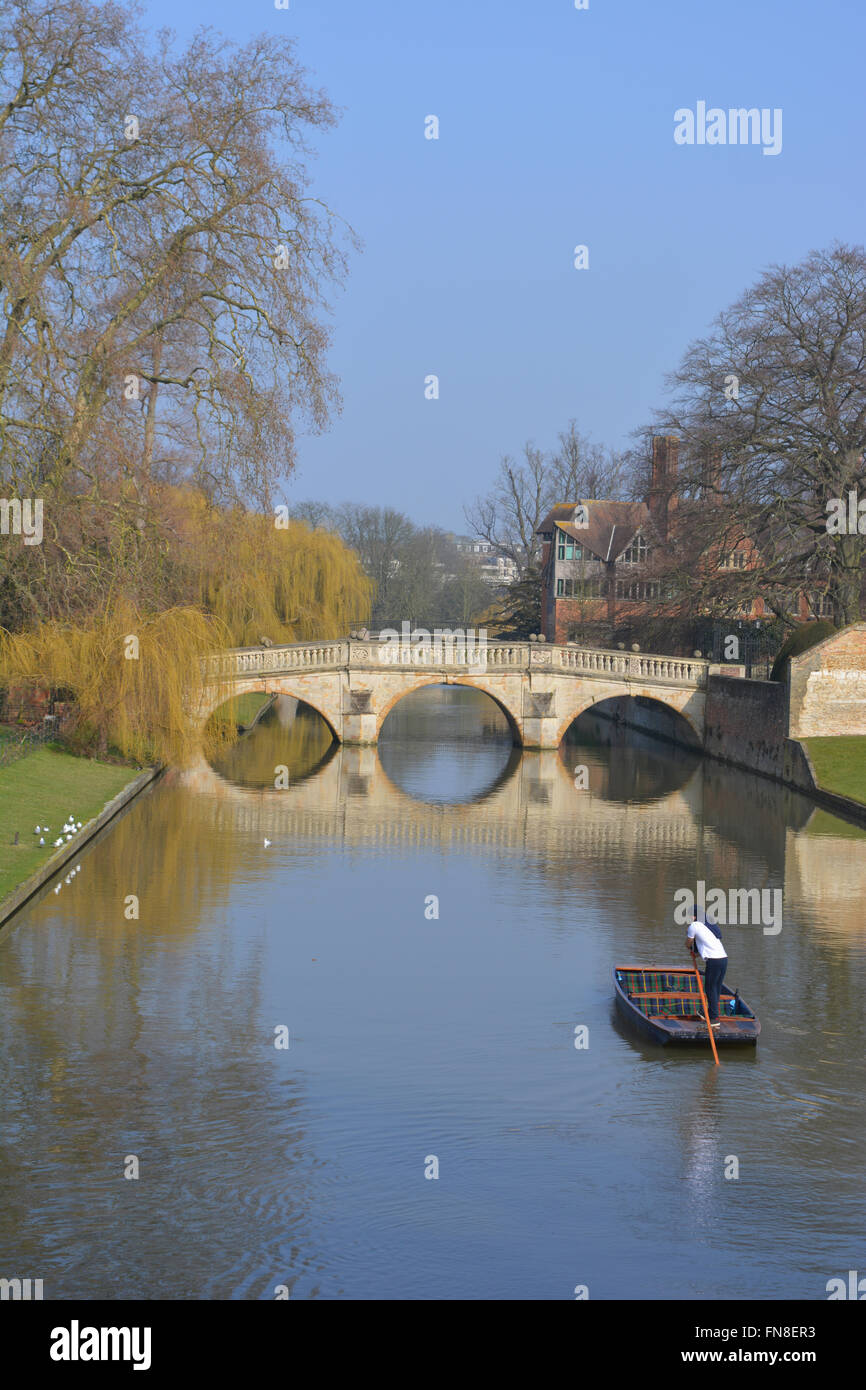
(302, 744)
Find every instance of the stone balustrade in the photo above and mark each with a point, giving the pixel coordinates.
(457, 655)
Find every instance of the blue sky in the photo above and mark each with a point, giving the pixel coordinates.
(556, 128)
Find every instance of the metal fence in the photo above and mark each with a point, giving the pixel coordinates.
(756, 648)
(14, 748)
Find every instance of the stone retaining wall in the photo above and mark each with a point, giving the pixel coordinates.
(828, 686)
(746, 722)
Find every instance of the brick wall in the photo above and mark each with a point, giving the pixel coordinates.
(567, 613)
(24, 702)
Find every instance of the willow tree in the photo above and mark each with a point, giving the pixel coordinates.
(282, 583)
(134, 666)
(135, 678)
(770, 408)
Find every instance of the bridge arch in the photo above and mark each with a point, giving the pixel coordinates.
(677, 702)
(468, 683)
(255, 685)
(353, 684)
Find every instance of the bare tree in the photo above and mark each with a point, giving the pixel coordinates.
(158, 244)
(508, 516)
(581, 470)
(380, 536)
(771, 411)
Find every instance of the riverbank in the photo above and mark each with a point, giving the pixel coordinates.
(245, 711)
(249, 709)
(46, 787)
(839, 765)
(746, 728)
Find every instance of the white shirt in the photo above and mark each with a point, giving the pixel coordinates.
(708, 943)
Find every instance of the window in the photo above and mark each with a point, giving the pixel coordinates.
(567, 549)
(580, 589)
(636, 589)
(736, 560)
(636, 553)
(590, 588)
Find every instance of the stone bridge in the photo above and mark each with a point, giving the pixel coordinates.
(353, 684)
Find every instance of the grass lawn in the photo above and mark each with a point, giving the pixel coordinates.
(825, 823)
(840, 765)
(248, 706)
(48, 785)
(243, 708)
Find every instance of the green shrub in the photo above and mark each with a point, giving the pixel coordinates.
(801, 639)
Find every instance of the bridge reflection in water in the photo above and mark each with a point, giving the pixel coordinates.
(636, 808)
(519, 800)
(454, 1037)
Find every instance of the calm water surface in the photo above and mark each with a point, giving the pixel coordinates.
(413, 1037)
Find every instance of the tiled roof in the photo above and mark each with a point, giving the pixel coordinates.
(611, 525)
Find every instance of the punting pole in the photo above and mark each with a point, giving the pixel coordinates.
(706, 1007)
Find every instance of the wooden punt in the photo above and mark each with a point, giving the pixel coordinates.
(664, 1003)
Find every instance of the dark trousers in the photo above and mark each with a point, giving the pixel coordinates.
(714, 974)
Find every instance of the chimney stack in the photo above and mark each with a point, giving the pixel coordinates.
(662, 497)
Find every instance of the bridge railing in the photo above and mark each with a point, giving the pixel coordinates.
(300, 656)
(592, 661)
(355, 653)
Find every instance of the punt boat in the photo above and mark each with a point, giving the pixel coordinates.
(664, 1003)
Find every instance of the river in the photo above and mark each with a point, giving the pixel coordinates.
(430, 923)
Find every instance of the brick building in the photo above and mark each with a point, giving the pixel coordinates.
(606, 564)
